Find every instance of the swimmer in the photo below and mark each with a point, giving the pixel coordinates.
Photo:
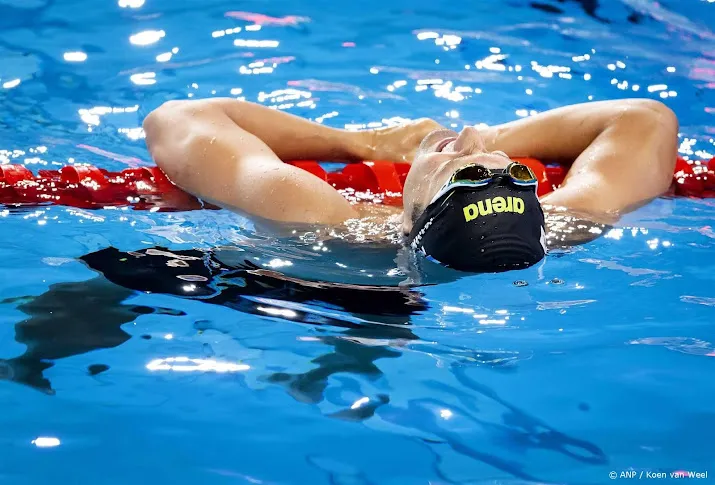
(466, 204)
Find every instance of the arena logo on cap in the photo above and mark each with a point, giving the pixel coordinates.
(495, 205)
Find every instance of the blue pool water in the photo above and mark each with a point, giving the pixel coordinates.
(598, 360)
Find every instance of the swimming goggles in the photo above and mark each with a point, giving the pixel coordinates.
(479, 176)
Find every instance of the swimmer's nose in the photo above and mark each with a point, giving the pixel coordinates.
(469, 141)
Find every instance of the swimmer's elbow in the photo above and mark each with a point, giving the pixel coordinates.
(646, 117)
(661, 113)
(665, 137)
(157, 135)
(167, 130)
(158, 123)
(648, 130)
(172, 115)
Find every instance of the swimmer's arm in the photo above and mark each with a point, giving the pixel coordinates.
(204, 150)
(289, 137)
(623, 152)
(294, 138)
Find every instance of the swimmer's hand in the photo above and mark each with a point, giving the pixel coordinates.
(399, 143)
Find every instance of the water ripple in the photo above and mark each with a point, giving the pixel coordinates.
(698, 300)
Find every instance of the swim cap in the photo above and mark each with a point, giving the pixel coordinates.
(497, 227)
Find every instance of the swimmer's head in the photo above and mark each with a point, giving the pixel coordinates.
(471, 209)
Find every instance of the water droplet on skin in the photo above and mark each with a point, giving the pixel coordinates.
(520, 283)
(557, 281)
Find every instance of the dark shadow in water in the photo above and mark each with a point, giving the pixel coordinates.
(517, 431)
(589, 7)
(546, 7)
(75, 318)
(14, 18)
(69, 319)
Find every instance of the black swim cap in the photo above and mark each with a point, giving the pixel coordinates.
(494, 228)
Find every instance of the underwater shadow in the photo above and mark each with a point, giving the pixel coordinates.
(79, 317)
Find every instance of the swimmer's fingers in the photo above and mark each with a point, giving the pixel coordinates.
(400, 143)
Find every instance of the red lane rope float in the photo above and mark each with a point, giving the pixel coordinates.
(694, 179)
(148, 188)
(89, 187)
(385, 180)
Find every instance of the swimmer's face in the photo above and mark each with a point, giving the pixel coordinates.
(440, 154)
